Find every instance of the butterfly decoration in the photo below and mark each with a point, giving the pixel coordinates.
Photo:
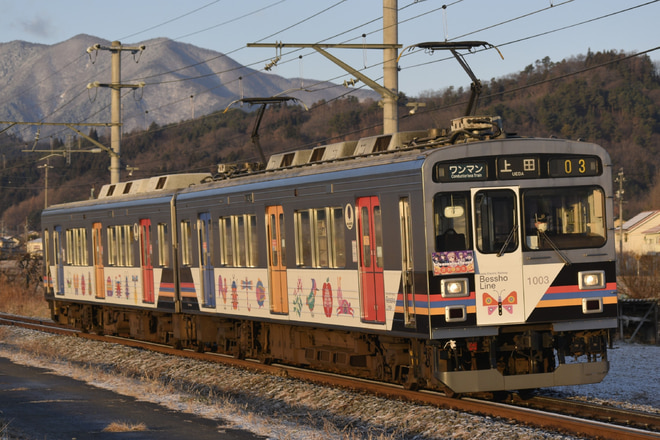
(498, 304)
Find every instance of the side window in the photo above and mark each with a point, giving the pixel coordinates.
(253, 241)
(239, 244)
(451, 218)
(186, 243)
(163, 245)
(76, 245)
(338, 238)
(120, 245)
(112, 246)
(241, 238)
(126, 248)
(226, 241)
(303, 238)
(319, 237)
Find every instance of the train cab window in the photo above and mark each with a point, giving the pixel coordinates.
(496, 221)
(163, 245)
(320, 239)
(564, 218)
(451, 212)
(186, 243)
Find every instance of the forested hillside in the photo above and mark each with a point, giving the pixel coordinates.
(612, 99)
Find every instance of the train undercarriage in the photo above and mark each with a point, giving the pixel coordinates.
(529, 357)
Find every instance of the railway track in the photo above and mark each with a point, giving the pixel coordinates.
(571, 417)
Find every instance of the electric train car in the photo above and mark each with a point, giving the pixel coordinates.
(462, 260)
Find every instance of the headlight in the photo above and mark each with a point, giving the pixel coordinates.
(591, 280)
(454, 287)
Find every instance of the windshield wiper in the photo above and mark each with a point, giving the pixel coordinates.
(543, 235)
(508, 240)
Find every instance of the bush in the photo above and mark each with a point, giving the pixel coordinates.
(22, 291)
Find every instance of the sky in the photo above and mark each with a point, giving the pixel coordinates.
(524, 31)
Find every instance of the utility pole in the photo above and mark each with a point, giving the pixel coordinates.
(46, 166)
(390, 70)
(390, 91)
(115, 131)
(620, 179)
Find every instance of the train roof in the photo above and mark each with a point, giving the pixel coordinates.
(376, 153)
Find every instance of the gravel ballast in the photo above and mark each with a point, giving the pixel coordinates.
(283, 408)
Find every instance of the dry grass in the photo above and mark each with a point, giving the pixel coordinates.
(125, 427)
(22, 295)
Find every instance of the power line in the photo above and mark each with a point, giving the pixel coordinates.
(373, 65)
(539, 34)
(170, 20)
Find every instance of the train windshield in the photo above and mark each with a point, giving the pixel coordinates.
(451, 218)
(564, 218)
(496, 226)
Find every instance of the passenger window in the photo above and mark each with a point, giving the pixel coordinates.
(226, 242)
(186, 243)
(320, 237)
(163, 245)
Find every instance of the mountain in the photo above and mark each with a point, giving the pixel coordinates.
(609, 98)
(49, 83)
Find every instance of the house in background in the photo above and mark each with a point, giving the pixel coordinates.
(35, 247)
(641, 234)
(9, 243)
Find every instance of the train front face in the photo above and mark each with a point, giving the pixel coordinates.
(521, 264)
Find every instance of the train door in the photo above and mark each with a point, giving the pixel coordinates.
(206, 259)
(146, 256)
(97, 245)
(407, 274)
(48, 278)
(370, 233)
(279, 298)
(499, 270)
(58, 252)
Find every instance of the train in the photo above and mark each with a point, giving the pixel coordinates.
(463, 259)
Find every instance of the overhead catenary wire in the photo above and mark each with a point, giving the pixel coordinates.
(564, 27)
(416, 3)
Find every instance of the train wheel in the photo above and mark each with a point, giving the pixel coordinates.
(451, 393)
(265, 359)
(411, 385)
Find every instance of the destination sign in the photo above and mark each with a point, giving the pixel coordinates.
(518, 167)
(574, 166)
(461, 171)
